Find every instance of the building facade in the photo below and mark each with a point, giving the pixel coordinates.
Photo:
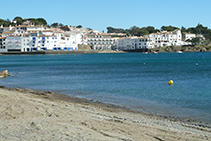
(17, 43)
(164, 38)
(27, 38)
(188, 36)
(134, 43)
(102, 41)
(99, 41)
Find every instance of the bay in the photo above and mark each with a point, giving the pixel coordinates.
(135, 80)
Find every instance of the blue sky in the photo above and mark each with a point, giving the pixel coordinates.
(99, 14)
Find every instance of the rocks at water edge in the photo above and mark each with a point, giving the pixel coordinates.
(4, 74)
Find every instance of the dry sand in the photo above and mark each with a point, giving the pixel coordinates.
(34, 115)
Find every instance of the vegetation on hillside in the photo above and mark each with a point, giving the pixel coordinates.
(19, 21)
(137, 31)
(38, 21)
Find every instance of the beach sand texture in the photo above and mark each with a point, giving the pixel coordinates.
(34, 115)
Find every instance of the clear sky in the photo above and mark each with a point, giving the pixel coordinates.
(99, 14)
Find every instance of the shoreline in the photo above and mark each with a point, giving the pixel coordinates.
(60, 52)
(108, 113)
(168, 49)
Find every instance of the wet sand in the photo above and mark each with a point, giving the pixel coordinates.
(35, 115)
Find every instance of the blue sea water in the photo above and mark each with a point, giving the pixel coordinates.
(134, 80)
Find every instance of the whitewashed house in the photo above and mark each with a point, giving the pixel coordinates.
(17, 43)
(134, 43)
(189, 36)
(101, 41)
(164, 38)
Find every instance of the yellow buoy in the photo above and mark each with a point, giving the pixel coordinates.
(170, 82)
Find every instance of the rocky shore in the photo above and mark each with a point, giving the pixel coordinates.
(196, 48)
(27, 114)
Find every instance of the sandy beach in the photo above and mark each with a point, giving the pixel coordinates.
(34, 115)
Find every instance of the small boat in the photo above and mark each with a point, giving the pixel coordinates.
(179, 51)
(145, 52)
(154, 52)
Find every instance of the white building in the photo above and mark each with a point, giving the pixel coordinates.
(17, 43)
(160, 39)
(189, 36)
(27, 38)
(101, 41)
(134, 43)
(164, 38)
(201, 37)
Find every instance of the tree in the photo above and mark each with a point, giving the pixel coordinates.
(151, 29)
(183, 29)
(142, 32)
(19, 20)
(110, 29)
(43, 21)
(2, 21)
(79, 26)
(115, 30)
(61, 25)
(55, 25)
(88, 28)
(194, 41)
(65, 28)
(134, 30)
(168, 28)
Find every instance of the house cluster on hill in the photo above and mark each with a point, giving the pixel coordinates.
(31, 38)
(26, 38)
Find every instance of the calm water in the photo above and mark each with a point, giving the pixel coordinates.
(134, 80)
